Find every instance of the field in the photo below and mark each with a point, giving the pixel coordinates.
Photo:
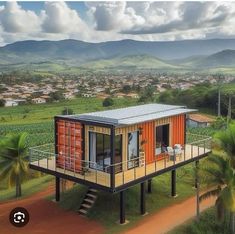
(45, 112)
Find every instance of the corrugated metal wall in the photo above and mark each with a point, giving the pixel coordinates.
(178, 129)
(147, 136)
(69, 148)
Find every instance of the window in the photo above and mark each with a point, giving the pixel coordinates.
(99, 151)
(118, 153)
(133, 149)
(162, 138)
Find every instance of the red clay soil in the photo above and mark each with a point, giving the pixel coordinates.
(46, 217)
(170, 217)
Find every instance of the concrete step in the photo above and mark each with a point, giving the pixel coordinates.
(91, 195)
(89, 200)
(86, 205)
(82, 211)
(93, 190)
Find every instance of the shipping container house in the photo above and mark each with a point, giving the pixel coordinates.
(114, 149)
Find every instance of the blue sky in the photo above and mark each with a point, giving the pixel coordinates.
(105, 21)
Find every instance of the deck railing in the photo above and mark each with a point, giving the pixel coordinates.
(125, 171)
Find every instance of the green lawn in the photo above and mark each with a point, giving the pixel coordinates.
(207, 224)
(106, 208)
(39, 113)
(28, 188)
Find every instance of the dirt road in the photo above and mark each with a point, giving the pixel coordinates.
(168, 218)
(46, 217)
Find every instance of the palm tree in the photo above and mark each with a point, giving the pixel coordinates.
(225, 141)
(14, 160)
(219, 173)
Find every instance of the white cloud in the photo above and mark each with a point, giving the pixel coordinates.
(14, 19)
(59, 18)
(103, 21)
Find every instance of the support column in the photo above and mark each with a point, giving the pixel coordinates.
(197, 190)
(142, 198)
(112, 155)
(149, 186)
(122, 207)
(57, 188)
(196, 174)
(173, 183)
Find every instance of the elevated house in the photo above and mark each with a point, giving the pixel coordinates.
(113, 150)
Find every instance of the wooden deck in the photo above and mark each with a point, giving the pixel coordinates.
(121, 178)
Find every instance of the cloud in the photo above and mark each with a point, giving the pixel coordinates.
(14, 19)
(103, 21)
(110, 16)
(59, 18)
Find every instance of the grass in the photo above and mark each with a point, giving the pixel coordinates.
(207, 224)
(39, 113)
(28, 188)
(106, 208)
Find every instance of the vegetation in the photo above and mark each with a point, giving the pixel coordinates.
(202, 96)
(67, 111)
(2, 103)
(28, 187)
(108, 102)
(42, 113)
(218, 172)
(13, 160)
(147, 95)
(208, 224)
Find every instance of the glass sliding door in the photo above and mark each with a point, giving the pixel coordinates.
(133, 149)
(162, 138)
(92, 150)
(99, 150)
(118, 153)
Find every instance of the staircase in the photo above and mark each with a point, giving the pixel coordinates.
(88, 201)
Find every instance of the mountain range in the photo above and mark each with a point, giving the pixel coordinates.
(125, 54)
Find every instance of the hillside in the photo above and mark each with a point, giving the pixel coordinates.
(137, 62)
(225, 58)
(72, 56)
(78, 52)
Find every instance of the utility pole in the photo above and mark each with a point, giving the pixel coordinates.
(229, 109)
(219, 111)
(219, 80)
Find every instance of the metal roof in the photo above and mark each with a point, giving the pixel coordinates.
(133, 114)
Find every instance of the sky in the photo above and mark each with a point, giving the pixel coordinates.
(108, 21)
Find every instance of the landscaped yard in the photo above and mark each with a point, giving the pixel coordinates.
(106, 208)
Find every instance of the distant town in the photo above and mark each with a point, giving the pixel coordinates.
(57, 87)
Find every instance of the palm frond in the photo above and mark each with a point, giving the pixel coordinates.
(210, 193)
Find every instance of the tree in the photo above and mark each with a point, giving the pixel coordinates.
(14, 160)
(56, 96)
(126, 89)
(108, 102)
(67, 111)
(2, 102)
(147, 95)
(224, 140)
(219, 172)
